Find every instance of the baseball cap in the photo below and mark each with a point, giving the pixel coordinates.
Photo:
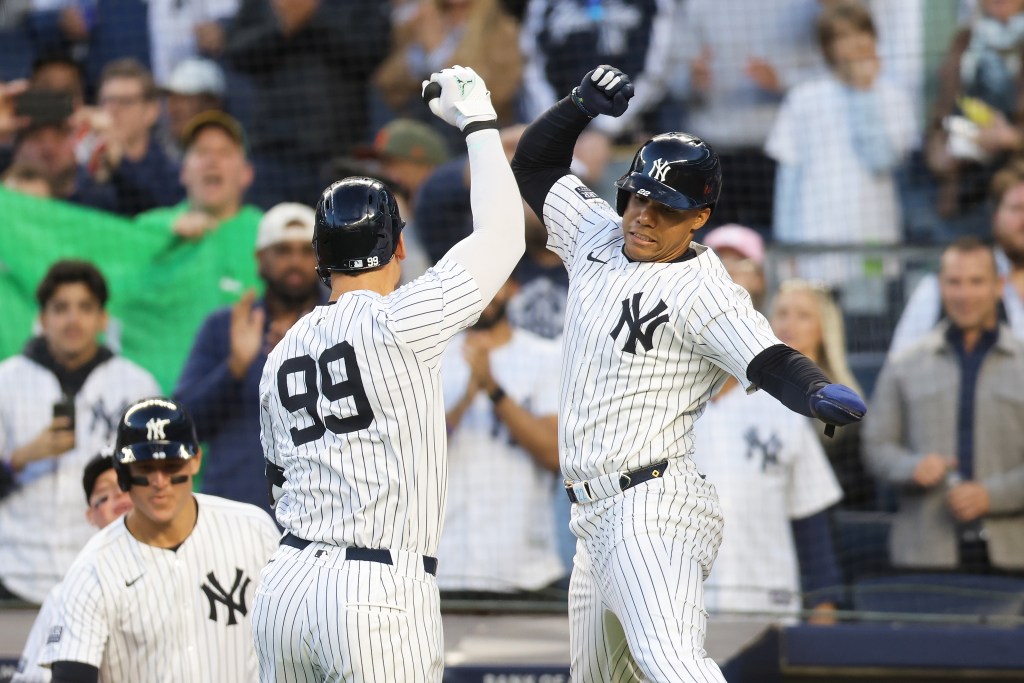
(100, 463)
(217, 119)
(285, 222)
(195, 76)
(409, 140)
(739, 238)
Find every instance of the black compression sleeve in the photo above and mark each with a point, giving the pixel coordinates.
(544, 153)
(788, 375)
(74, 672)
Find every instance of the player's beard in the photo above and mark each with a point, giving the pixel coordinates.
(489, 319)
(291, 297)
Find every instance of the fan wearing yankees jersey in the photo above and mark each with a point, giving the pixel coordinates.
(353, 421)
(654, 327)
(164, 593)
(59, 403)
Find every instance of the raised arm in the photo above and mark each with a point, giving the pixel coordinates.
(460, 97)
(544, 153)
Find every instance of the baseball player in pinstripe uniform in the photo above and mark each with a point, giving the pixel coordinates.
(353, 422)
(654, 327)
(164, 594)
(105, 502)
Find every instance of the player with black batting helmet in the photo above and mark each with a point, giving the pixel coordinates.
(674, 169)
(178, 562)
(154, 429)
(359, 381)
(357, 227)
(654, 327)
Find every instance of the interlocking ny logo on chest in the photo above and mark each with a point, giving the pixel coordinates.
(641, 327)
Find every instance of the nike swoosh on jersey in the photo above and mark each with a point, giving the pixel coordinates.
(128, 584)
(591, 257)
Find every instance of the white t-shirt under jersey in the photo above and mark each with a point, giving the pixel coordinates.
(499, 531)
(768, 467)
(42, 527)
(142, 613)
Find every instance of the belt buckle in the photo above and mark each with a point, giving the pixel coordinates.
(581, 489)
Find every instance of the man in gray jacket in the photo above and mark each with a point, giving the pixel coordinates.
(946, 426)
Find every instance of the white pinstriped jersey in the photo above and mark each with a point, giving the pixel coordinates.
(647, 344)
(352, 411)
(768, 467)
(29, 670)
(42, 527)
(142, 613)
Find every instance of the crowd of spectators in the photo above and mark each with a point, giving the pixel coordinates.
(213, 127)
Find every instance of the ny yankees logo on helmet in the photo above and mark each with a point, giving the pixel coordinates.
(155, 429)
(658, 170)
(631, 317)
(233, 599)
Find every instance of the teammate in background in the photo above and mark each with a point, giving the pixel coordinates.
(352, 422)
(655, 326)
(501, 384)
(59, 405)
(165, 595)
(105, 502)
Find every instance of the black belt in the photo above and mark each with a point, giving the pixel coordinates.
(627, 480)
(381, 555)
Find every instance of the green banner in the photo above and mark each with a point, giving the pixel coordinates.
(161, 287)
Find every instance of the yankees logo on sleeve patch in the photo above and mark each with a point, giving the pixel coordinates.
(586, 192)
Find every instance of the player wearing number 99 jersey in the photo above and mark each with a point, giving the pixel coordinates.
(352, 423)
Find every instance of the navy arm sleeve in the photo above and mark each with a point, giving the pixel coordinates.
(74, 672)
(544, 154)
(788, 375)
(819, 570)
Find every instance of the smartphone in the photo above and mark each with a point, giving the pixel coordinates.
(44, 106)
(65, 408)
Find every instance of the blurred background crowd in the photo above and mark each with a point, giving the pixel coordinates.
(159, 160)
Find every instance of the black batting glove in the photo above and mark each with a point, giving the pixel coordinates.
(605, 90)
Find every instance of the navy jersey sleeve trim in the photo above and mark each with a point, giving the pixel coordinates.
(788, 375)
(544, 154)
(74, 672)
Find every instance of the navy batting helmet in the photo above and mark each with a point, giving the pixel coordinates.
(153, 429)
(675, 169)
(357, 227)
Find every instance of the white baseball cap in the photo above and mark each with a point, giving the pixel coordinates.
(286, 222)
(195, 76)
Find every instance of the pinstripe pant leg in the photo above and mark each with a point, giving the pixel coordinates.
(386, 626)
(598, 648)
(657, 591)
(279, 621)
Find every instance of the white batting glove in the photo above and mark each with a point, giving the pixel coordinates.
(459, 96)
